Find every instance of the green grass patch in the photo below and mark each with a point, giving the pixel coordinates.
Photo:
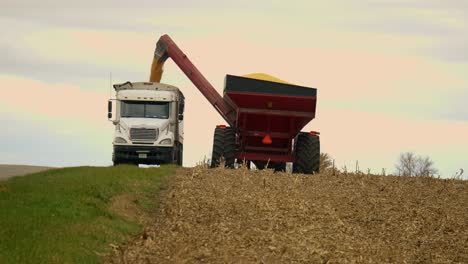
(65, 215)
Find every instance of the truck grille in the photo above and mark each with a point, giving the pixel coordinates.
(144, 134)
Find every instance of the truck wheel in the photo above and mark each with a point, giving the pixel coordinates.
(124, 162)
(224, 146)
(180, 155)
(307, 154)
(114, 160)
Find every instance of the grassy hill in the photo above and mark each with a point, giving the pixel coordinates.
(7, 170)
(72, 215)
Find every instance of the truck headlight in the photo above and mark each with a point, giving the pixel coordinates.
(120, 140)
(166, 141)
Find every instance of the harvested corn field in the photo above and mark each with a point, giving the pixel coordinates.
(241, 216)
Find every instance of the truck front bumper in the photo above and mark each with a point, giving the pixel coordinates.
(143, 154)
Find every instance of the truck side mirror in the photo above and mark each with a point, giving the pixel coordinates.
(109, 109)
(181, 117)
(181, 108)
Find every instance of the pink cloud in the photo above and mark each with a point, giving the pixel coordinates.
(45, 100)
(339, 73)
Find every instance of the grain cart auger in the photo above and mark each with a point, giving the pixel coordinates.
(265, 118)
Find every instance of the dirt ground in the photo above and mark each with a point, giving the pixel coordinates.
(240, 216)
(8, 171)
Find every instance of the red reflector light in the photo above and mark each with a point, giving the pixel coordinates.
(314, 133)
(267, 140)
(221, 126)
(148, 83)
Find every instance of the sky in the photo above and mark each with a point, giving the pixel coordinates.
(392, 75)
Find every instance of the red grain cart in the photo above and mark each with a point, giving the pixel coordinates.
(264, 118)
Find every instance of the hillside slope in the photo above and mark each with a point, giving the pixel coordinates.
(8, 171)
(72, 215)
(240, 216)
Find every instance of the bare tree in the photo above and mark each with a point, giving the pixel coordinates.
(425, 167)
(406, 164)
(409, 164)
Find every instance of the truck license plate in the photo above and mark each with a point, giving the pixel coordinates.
(142, 155)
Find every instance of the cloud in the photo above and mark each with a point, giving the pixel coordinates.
(444, 23)
(455, 51)
(53, 124)
(75, 56)
(111, 4)
(419, 4)
(48, 101)
(105, 15)
(124, 50)
(16, 62)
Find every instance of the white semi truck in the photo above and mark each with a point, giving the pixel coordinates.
(148, 123)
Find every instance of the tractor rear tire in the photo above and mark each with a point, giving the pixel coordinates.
(218, 147)
(224, 146)
(230, 147)
(307, 154)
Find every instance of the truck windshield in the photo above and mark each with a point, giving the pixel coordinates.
(145, 109)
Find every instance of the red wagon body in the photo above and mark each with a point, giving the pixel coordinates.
(268, 110)
(265, 118)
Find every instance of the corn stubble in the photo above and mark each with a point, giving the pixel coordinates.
(240, 216)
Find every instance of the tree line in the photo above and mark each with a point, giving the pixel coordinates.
(408, 164)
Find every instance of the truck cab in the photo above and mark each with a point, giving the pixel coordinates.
(148, 123)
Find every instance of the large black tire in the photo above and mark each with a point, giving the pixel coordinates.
(124, 162)
(230, 147)
(307, 154)
(180, 155)
(115, 161)
(177, 154)
(218, 147)
(224, 146)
